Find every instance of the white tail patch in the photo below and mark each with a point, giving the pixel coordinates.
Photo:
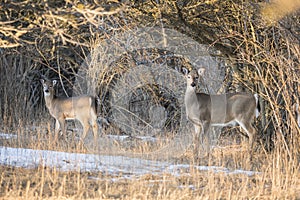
(257, 113)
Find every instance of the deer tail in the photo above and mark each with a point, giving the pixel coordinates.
(257, 107)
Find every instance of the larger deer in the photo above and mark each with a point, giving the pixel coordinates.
(82, 108)
(205, 110)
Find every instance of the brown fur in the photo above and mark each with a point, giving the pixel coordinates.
(82, 108)
(205, 110)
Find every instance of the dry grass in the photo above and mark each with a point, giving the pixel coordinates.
(48, 183)
(278, 176)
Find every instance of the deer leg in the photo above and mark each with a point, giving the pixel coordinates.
(63, 126)
(57, 127)
(252, 136)
(251, 132)
(196, 138)
(205, 137)
(60, 124)
(85, 126)
(94, 126)
(94, 123)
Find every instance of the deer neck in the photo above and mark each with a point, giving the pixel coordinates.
(190, 96)
(49, 100)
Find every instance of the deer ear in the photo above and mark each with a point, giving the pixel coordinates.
(185, 71)
(42, 81)
(54, 82)
(201, 71)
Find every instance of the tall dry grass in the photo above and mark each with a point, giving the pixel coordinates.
(20, 94)
(278, 177)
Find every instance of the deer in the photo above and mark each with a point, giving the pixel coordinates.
(205, 110)
(81, 108)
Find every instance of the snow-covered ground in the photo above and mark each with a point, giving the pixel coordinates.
(109, 164)
(7, 136)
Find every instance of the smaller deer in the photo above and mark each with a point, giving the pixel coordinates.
(82, 108)
(205, 110)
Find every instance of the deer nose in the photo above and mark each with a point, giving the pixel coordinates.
(193, 84)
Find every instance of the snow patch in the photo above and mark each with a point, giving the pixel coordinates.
(114, 165)
(8, 136)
